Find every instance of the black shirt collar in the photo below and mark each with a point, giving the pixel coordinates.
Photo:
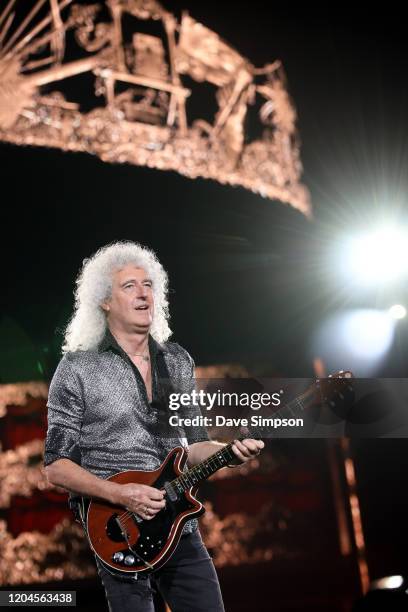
(109, 342)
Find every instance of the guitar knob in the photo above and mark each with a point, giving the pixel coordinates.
(118, 557)
(129, 560)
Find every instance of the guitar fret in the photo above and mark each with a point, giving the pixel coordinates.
(186, 478)
(204, 469)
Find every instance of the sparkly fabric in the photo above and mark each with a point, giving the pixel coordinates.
(99, 415)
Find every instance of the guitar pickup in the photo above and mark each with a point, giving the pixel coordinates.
(171, 492)
(122, 529)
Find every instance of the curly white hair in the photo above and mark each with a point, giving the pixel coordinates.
(94, 285)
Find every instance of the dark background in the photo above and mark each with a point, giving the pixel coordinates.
(256, 272)
(250, 278)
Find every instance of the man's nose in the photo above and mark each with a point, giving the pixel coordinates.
(141, 291)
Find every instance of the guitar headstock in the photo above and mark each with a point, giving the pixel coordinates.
(335, 390)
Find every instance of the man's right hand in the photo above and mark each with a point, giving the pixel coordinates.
(143, 500)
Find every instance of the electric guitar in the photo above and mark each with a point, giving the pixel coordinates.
(125, 543)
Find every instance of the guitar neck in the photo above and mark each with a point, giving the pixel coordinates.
(205, 469)
(225, 455)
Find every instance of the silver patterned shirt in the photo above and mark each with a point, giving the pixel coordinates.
(99, 414)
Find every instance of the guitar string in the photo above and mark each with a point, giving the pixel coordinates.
(195, 473)
(189, 479)
(198, 470)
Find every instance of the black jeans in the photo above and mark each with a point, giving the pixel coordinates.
(188, 583)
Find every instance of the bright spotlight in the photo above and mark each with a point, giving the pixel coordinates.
(389, 582)
(356, 339)
(367, 333)
(379, 257)
(397, 311)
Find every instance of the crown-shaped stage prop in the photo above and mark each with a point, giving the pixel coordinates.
(145, 88)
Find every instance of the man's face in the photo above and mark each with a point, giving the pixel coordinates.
(131, 306)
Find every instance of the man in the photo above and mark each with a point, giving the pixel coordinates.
(102, 411)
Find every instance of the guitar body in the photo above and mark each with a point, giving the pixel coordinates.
(124, 542)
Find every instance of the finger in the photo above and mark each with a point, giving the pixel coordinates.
(147, 502)
(238, 453)
(259, 444)
(147, 513)
(153, 511)
(141, 511)
(242, 448)
(255, 446)
(251, 445)
(154, 493)
(156, 505)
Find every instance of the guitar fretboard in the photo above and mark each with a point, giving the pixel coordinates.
(205, 469)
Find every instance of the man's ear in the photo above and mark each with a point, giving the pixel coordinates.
(105, 306)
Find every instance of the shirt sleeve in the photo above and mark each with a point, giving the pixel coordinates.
(196, 433)
(65, 414)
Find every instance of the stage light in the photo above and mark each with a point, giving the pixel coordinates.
(355, 339)
(397, 311)
(388, 593)
(368, 333)
(378, 257)
(389, 582)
